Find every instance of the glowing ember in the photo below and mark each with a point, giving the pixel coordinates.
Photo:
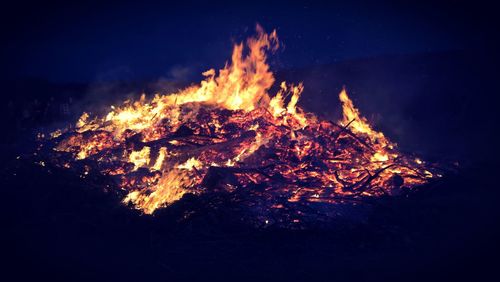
(229, 134)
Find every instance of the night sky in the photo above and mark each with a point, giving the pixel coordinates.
(65, 42)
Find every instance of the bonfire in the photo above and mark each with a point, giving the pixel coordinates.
(229, 134)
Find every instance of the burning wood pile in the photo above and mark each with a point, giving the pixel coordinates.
(230, 135)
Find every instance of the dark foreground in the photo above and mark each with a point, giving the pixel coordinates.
(73, 233)
(58, 228)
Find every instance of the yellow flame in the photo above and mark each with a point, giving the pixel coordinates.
(161, 157)
(170, 188)
(357, 123)
(140, 158)
(380, 157)
(190, 164)
(276, 105)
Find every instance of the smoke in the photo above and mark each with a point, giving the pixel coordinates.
(181, 73)
(115, 85)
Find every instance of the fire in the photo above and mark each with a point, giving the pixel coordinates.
(229, 133)
(139, 158)
(170, 188)
(190, 164)
(358, 124)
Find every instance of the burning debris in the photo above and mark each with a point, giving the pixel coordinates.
(230, 135)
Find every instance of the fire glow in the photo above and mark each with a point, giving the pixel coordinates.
(229, 134)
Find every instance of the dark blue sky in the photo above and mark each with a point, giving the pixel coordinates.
(66, 42)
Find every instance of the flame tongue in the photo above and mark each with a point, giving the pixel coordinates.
(229, 133)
